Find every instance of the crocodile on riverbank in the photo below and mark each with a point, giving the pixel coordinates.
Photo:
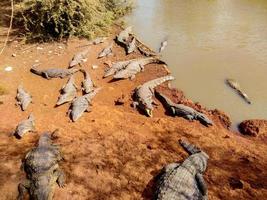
(123, 36)
(134, 67)
(143, 94)
(183, 110)
(106, 51)
(235, 85)
(23, 98)
(115, 67)
(68, 92)
(25, 126)
(87, 84)
(54, 72)
(131, 46)
(42, 170)
(184, 181)
(81, 104)
(79, 58)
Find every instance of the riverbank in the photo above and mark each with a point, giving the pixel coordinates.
(114, 152)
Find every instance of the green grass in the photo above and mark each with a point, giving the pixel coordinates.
(45, 20)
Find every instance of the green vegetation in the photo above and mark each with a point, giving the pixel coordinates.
(45, 20)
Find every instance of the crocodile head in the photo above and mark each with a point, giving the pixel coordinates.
(148, 108)
(205, 120)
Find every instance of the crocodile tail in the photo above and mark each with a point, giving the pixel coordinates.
(189, 148)
(154, 83)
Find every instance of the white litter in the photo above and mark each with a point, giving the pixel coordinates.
(94, 67)
(8, 69)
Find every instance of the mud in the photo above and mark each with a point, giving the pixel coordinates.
(114, 152)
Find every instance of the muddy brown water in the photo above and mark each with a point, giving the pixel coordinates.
(209, 41)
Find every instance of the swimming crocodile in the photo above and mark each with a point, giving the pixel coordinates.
(123, 36)
(134, 67)
(131, 46)
(235, 85)
(183, 110)
(25, 126)
(87, 84)
(42, 170)
(23, 98)
(54, 72)
(184, 181)
(143, 94)
(68, 92)
(115, 67)
(79, 58)
(81, 104)
(106, 51)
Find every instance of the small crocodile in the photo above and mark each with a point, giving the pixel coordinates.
(106, 51)
(79, 58)
(131, 46)
(42, 170)
(68, 92)
(134, 67)
(115, 67)
(94, 42)
(87, 84)
(23, 98)
(235, 85)
(184, 181)
(123, 36)
(25, 126)
(143, 94)
(183, 110)
(54, 72)
(81, 104)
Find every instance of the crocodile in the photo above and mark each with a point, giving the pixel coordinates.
(25, 126)
(134, 67)
(79, 58)
(87, 84)
(123, 36)
(105, 52)
(115, 67)
(94, 42)
(68, 92)
(163, 45)
(42, 170)
(131, 46)
(143, 94)
(235, 85)
(81, 104)
(183, 110)
(23, 98)
(184, 181)
(54, 72)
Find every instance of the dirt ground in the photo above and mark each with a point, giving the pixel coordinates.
(114, 152)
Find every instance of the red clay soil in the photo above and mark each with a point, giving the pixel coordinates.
(254, 127)
(114, 152)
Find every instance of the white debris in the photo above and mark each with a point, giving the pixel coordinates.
(36, 61)
(94, 67)
(50, 51)
(8, 69)
(60, 47)
(39, 48)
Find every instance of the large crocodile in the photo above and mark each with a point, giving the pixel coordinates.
(235, 85)
(123, 36)
(54, 72)
(106, 51)
(134, 67)
(79, 58)
(42, 170)
(143, 94)
(81, 104)
(23, 98)
(25, 126)
(68, 92)
(115, 67)
(182, 110)
(184, 181)
(87, 84)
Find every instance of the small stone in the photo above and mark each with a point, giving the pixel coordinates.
(120, 100)
(8, 69)
(39, 48)
(60, 47)
(235, 183)
(36, 61)
(94, 67)
(50, 51)
(14, 55)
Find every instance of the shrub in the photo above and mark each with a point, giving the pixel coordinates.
(45, 20)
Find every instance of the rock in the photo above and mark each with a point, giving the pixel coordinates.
(8, 68)
(121, 100)
(253, 127)
(94, 67)
(14, 55)
(224, 119)
(235, 183)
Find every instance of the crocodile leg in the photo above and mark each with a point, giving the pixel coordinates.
(46, 75)
(60, 177)
(23, 188)
(201, 184)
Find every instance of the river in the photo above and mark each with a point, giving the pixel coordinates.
(209, 41)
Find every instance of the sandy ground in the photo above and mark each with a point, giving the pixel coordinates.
(114, 152)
